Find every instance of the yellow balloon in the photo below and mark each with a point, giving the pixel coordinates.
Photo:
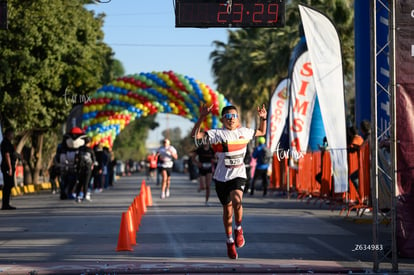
(208, 99)
(131, 100)
(121, 84)
(128, 86)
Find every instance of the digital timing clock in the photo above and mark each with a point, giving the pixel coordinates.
(229, 13)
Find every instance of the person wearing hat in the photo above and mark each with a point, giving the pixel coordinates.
(263, 157)
(67, 153)
(85, 164)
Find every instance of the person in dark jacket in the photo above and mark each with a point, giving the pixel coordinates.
(262, 165)
(8, 167)
(84, 170)
(98, 168)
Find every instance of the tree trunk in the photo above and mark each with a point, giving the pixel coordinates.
(24, 153)
(22, 141)
(27, 175)
(31, 156)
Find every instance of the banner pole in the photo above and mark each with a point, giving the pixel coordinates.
(393, 139)
(374, 133)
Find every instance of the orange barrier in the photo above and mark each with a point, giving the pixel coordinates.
(326, 175)
(313, 179)
(308, 168)
(360, 167)
(278, 179)
(124, 242)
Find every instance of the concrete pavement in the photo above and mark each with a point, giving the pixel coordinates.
(180, 235)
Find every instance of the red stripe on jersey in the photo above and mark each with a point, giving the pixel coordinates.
(230, 147)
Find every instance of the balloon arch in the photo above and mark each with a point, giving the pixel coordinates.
(114, 106)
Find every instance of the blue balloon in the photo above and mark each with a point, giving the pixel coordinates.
(214, 122)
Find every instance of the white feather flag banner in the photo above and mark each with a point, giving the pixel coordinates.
(277, 114)
(325, 55)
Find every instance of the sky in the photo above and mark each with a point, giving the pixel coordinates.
(143, 36)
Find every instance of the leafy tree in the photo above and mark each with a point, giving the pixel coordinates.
(130, 143)
(52, 49)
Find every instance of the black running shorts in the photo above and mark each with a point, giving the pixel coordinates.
(223, 189)
(168, 170)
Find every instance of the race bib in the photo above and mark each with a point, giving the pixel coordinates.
(233, 161)
(206, 165)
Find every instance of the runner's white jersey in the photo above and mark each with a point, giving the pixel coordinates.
(230, 148)
(165, 156)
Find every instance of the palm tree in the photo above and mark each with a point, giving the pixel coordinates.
(232, 64)
(248, 67)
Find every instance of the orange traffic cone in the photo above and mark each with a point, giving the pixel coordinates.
(148, 196)
(134, 217)
(138, 211)
(124, 242)
(143, 184)
(142, 203)
(143, 192)
(131, 229)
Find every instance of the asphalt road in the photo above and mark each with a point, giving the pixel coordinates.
(181, 235)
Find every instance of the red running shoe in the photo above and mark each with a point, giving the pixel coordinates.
(239, 237)
(231, 251)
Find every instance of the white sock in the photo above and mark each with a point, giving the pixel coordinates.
(238, 227)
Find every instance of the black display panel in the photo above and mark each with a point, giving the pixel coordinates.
(234, 13)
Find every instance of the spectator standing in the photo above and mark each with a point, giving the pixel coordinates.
(166, 154)
(365, 127)
(98, 169)
(54, 174)
(111, 170)
(354, 144)
(8, 167)
(84, 170)
(230, 144)
(67, 152)
(106, 164)
(262, 155)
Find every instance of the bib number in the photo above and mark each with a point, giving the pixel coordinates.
(233, 161)
(206, 165)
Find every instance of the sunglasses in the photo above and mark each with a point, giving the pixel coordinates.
(229, 116)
